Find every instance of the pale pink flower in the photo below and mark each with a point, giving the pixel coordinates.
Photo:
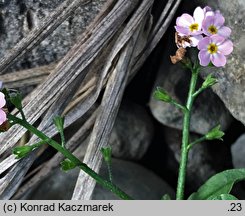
(215, 49)
(194, 40)
(214, 24)
(187, 25)
(208, 11)
(3, 116)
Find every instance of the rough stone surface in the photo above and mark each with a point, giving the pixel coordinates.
(132, 132)
(18, 17)
(208, 109)
(137, 181)
(231, 86)
(238, 152)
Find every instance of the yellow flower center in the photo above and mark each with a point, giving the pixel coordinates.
(212, 48)
(212, 29)
(193, 27)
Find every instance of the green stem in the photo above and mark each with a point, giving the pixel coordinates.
(38, 144)
(196, 142)
(62, 137)
(109, 171)
(22, 114)
(183, 108)
(71, 157)
(185, 136)
(199, 91)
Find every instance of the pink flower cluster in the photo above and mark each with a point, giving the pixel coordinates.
(3, 116)
(206, 31)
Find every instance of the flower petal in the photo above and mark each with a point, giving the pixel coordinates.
(224, 31)
(196, 33)
(219, 20)
(207, 22)
(202, 45)
(207, 9)
(226, 48)
(195, 40)
(182, 30)
(186, 44)
(217, 39)
(198, 16)
(218, 59)
(3, 116)
(185, 20)
(209, 13)
(204, 57)
(2, 100)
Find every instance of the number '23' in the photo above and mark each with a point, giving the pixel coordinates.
(236, 207)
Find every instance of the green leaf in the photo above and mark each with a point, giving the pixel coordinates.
(215, 133)
(67, 165)
(224, 197)
(162, 95)
(219, 184)
(166, 197)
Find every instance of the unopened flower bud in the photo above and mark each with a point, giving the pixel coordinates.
(59, 123)
(15, 98)
(106, 152)
(162, 95)
(22, 151)
(209, 81)
(67, 165)
(215, 133)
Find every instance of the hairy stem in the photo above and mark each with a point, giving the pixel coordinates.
(185, 136)
(106, 184)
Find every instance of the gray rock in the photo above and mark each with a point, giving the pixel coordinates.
(18, 18)
(58, 185)
(137, 181)
(208, 110)
(131, 135)
(238, 152)
(231, 86)
(132, 132)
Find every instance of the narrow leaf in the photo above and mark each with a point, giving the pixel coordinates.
(219, 184)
